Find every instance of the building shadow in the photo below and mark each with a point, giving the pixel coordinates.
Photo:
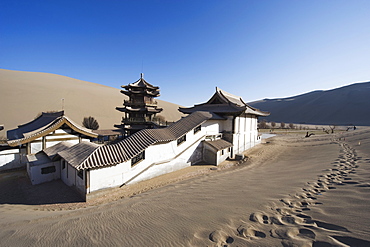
(16, 188)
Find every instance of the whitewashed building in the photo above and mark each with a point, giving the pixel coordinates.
(45, 131)
(213, 131)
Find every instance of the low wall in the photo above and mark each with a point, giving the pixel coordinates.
(11, 159)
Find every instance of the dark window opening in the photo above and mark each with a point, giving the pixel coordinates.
(181, 140)
(63, 164)
(222, 152)
(49, 169)
(137, 158)
(197, 129)
(81, 174)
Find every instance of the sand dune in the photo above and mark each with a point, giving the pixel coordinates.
(343, 106)
(292, 191)
(25, 94)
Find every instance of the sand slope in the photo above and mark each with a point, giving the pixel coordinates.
(345, 105)
(293, 191)
(25, 94)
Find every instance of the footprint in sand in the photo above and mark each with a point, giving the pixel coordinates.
(259, 217)
(292, 233)
(250, 233)
(221, 238)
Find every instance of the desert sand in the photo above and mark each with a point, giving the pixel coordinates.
(23, 95)
(292, 191)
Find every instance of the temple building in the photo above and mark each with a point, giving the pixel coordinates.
(141, 107)
(238, 121)
(45, 131)
(221, 128)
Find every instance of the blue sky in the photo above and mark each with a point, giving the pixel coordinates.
(254, 49)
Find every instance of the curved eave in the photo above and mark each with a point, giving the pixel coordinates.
(146, 109)
(257, 112)
(54, 126)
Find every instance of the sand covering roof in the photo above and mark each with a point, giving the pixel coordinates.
(88, 155)
(223, 102)
(219, 144)
(43, 125)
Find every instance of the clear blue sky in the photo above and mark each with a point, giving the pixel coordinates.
(254, 49)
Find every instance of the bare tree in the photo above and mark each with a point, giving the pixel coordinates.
(90, 123)
(159, 119)
(273, 124)
(282, 125)
(291, 125)
(262, 124)
(325, 130)
(332, 128)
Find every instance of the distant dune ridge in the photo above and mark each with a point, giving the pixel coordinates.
(25, 94)
(342, 106)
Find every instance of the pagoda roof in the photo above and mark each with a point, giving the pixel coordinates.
(139, 109)
(141, 83)
(42, 126)
(223, 102)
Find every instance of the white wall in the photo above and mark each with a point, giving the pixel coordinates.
(221, 158)
(37, 177)
(212, 127)
(159, 159)
(68, 174)
(246, 134)
(108, 177)
(12, 158)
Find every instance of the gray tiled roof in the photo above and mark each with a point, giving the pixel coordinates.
(42, 126)
(78, 153)
(53, 150)
(224, 103)
(219, 144)
(133, 145)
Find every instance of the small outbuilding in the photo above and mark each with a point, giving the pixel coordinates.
(45, 131)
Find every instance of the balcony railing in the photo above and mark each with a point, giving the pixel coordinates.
(146, 102)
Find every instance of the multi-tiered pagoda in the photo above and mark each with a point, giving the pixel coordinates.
(140, 108)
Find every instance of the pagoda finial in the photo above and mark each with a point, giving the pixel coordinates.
(141, 75)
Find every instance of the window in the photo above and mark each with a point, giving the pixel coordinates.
(222, 152)
(181, 140)
(197, 129)
(63, 164)
(80, 173)
(137, 158)
(48, 169)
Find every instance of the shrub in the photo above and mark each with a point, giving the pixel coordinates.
(90, 123)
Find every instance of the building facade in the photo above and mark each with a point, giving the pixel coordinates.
(44, 131)
(212, 132)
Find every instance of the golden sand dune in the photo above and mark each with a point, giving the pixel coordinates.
(25, 94)
(292, 191)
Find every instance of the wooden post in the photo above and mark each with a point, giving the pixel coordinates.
(43, 142)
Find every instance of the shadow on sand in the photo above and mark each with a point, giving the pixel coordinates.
(15, 188)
